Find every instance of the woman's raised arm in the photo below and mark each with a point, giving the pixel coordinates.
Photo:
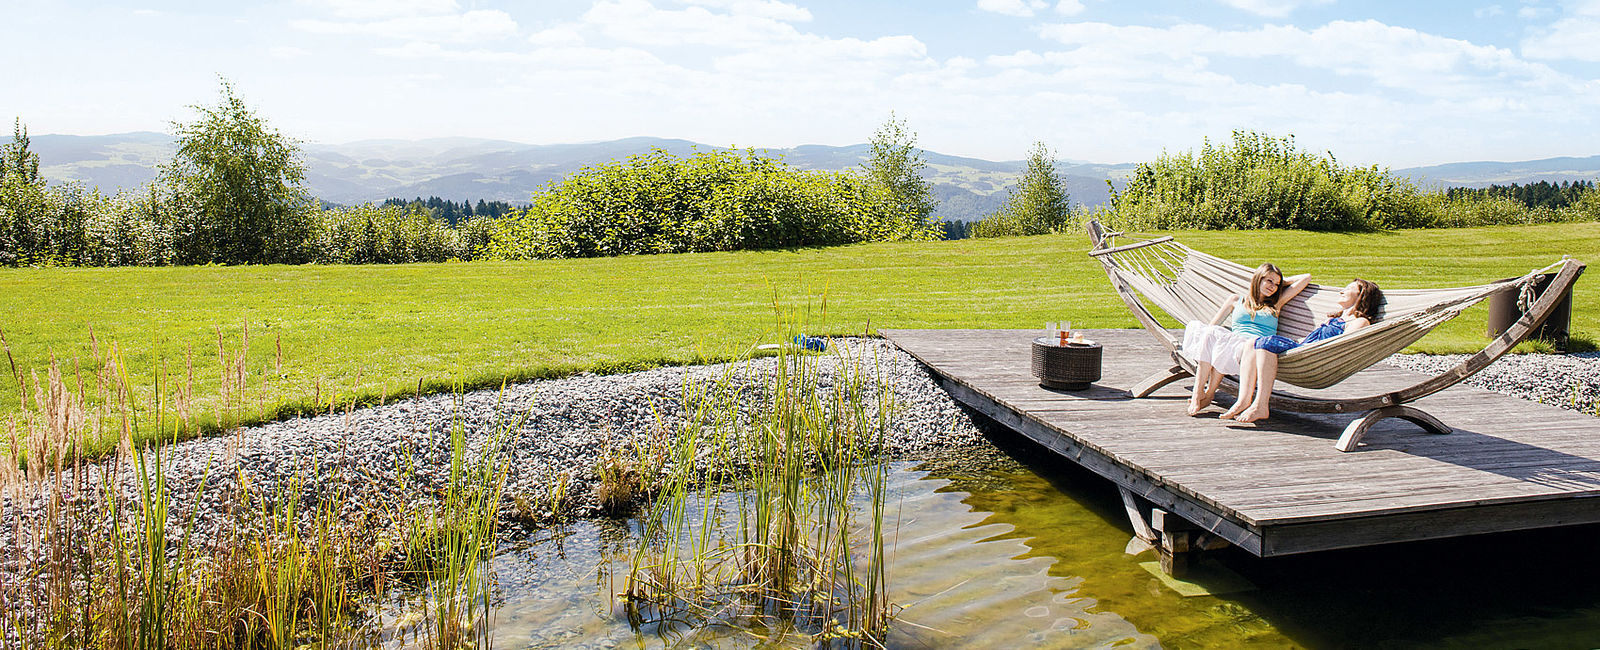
(1297, 284)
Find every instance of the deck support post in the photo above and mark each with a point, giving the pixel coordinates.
(1177, 537)
(1144, 537)
(1358, 428)
(1154, 382)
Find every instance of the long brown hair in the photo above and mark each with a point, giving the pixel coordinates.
(1369, 299)
(1254, 301)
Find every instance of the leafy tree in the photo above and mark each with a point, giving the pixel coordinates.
(15, 160)
(236, 188)
(896, 166)
(1037, 205)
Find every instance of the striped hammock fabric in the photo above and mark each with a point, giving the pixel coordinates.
(1191, 285)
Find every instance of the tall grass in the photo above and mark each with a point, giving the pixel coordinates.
(105, 404)
(800, 548)
(106, 555)
(448, 550)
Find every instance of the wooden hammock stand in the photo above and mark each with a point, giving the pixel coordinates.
(1373, 407)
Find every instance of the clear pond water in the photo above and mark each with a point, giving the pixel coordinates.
(1010, 547)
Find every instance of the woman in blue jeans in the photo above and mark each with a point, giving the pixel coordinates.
(1258, 364)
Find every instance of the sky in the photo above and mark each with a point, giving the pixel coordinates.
(1390, 83)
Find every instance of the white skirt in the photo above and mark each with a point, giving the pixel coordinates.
(1216, 345)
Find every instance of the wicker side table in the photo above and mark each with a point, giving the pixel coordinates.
(1069, 367)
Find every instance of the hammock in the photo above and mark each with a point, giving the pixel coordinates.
(1191, 285)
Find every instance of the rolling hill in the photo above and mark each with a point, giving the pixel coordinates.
(472, 169)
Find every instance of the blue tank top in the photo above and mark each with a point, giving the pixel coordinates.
(1261, 323)
(1328, 330)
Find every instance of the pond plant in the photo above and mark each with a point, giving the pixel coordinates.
(768, 518)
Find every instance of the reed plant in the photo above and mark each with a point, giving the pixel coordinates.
(107, 555)
(796, 545)
(447, 550)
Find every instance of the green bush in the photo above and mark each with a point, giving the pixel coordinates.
(475, 234)
(369, 234)
(708, 201)
(1262, 182)
(68, 226)
(1468, 211)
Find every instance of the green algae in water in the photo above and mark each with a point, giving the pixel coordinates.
(1016, 548)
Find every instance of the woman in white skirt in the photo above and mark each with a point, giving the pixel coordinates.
(1216, 350)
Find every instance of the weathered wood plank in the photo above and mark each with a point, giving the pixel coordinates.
(1279, 487)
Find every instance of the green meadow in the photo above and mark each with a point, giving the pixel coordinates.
(361, 334)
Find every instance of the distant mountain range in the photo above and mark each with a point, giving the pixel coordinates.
(472, 169)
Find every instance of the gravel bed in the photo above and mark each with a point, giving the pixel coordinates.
(1570, 381)
(554, 427)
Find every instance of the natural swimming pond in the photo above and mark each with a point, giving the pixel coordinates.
(1011, 547)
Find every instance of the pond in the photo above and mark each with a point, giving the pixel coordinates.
(1009, 546)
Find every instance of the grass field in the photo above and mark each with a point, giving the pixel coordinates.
(368, 331)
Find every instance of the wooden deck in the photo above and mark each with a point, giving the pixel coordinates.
(1279, 487)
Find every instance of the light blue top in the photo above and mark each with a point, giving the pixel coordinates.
(1261, 323)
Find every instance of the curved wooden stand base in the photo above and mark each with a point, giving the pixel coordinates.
(1154, 382)
(1356, 429)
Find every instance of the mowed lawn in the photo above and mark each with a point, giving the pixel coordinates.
(367, 331)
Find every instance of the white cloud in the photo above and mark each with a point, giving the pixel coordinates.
(746, 24)
(755, 72)
(1385, 55)
(1488, 12)
(1021, 59)
(1272, 8)
(286, 52)
(472, 26)
(1534, 13)
(1569, 38)
(960, 64)
(373, 9)
(1069, 7)
(771, 9)
(1582, 7)
(1019, 8)
(566, 35)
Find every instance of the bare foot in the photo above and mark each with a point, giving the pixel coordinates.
(1233, 411)
(1196, 407)
(1252, 415)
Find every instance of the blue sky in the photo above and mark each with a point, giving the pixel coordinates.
(1391, 83)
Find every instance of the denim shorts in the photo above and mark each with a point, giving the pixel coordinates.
(1276, 344)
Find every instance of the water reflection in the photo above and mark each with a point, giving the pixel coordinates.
(1011, 547)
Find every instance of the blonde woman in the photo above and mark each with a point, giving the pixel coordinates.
(1358, 304)
(1217, 351)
